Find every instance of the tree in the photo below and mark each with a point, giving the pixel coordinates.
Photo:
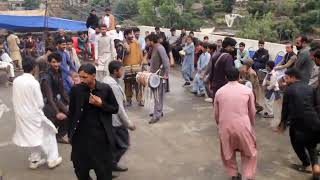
(31, 4)
(259, 28)
(208, 9)
(126, 8)
(227, 5)
(147, 12)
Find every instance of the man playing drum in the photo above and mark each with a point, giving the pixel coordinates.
(132, 62)
(159, 61)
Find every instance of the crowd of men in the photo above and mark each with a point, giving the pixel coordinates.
(71, 92)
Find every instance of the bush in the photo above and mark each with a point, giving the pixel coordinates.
(208, 9)
(258, 28)
(126, 8)
(308, 21)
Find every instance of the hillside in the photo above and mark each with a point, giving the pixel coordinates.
(272, 20)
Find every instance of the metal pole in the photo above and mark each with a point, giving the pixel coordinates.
(45, 25)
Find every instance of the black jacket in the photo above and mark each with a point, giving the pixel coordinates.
(298, 108)
(261, 56)
(79, 98)
(92, 21)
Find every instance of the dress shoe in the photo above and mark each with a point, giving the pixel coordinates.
(55, 163)
(186, 84)
(118, 168)
(37, 164)
(129, 103)
(154, 120)
(141, 103)
(151, 114)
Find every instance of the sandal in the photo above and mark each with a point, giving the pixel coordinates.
(301, 168)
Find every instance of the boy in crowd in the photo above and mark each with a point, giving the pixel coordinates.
(198, 86)
(248, 74)
(271, 87)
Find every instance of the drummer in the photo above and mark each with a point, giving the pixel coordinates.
(132, 62)
(159, 60)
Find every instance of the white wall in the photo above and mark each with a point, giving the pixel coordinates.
(273, 48)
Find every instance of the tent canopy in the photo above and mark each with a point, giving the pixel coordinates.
(39, 23)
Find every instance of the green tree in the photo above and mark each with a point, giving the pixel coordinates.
(208, 9)
(227, 5)
(31, 4)
(259, 28)
(126, 8)
(169, 15)
(146, 12)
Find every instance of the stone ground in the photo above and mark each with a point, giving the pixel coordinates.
(182, 146)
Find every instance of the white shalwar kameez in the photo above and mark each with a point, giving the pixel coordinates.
(33, 129)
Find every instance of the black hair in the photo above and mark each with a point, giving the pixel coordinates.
(261, 42)
(103, 26)
(242, 44)
(293, 72)
(157, 28)
(93, 10)
(28, 64)
(317, 54)
(127, 31)
(55, 56)
(51, 49)
(136, 29)
(212, 46)
(205, 46)
(314, 45)
(228, 41)
(107, 9)
(69, 39)
(206, 37)
(114, 66)
(88, 68)
(233, 74)
(172, 29)
(191, 32)
(61, 40)
(289, 43)
(152, 37)
(271, 64)
(304, 38)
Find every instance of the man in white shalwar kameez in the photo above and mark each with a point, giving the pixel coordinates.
(105, 52)
(33, 129)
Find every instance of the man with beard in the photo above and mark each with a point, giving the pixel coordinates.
(55, 97)
(221, 62)
(299, 112)
(105, 52)
(92, 104)
(303, 64)
(132, 58)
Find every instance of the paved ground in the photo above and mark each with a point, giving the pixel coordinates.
(183, 146)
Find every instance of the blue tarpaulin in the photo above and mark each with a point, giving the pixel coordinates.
(33, 23)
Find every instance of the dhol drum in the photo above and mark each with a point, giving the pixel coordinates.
(148, 79)
(131, 71)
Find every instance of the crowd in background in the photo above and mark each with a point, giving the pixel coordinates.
(207, 66)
